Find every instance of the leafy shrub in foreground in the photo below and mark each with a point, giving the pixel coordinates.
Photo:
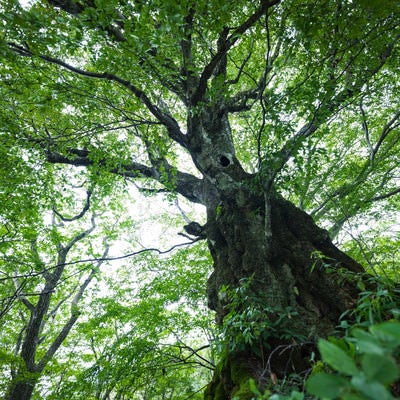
(363, 365)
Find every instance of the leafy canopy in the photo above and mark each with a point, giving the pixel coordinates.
(97, 95)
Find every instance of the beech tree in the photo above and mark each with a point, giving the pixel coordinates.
(274, 115)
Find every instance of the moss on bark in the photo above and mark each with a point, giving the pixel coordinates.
(294, 274)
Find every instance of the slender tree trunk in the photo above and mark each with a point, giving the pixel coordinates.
(288, 271)
(21, 388)
(25, 378)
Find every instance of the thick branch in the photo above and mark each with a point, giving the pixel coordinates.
(365, 128)
(226, 45)
(76, 8)
(186, 48)
(167, 120)
(185, 184)
(70, 6)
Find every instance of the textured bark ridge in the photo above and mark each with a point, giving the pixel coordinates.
(290, 264)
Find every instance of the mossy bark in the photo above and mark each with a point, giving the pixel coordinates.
(290, 264)
(232, 379)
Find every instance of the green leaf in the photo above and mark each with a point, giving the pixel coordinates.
(388, 331)
(371, 390)
(337, 358)
(380, 368)
(367, 343)
(295, 395)
(326, 386)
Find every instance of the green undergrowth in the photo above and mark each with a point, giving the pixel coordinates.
(360, 362)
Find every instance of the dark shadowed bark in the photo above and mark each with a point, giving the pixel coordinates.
(298, 277)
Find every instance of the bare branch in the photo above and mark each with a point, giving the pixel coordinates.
(385, 132)
(81, 214)
(386, 195)
(186, 358)
(366, 129)
(241, 67)
(21, 296)
(65, 249)
(239, 101)
(90, 260)
(338, 225)
(135, 253)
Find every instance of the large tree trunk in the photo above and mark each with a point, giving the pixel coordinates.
(292, 283)
(278, 281)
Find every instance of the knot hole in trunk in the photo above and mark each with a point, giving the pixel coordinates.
(224, 161)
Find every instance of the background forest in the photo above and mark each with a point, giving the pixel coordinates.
(132, 133)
